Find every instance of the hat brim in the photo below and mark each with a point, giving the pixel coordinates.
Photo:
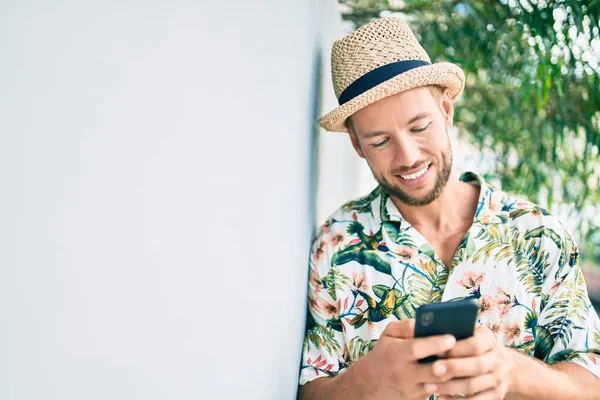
(441, 74)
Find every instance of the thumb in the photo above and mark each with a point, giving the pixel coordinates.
(404, 329)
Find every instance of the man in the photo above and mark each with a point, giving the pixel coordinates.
(424, 236)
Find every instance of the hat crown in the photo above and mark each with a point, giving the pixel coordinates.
(373, 45)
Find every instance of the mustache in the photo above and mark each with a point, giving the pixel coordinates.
(418, 165)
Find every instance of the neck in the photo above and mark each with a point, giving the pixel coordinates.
(454, 207)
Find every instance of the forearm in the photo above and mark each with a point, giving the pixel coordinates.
(533, 379)
(341, 387)
(322, 389)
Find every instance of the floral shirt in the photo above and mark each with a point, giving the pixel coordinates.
(369, 267)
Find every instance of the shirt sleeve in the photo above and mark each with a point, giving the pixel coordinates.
(323, 346)
(569, 327)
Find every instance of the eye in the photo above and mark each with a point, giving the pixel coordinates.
(421, 129)
(381, 143)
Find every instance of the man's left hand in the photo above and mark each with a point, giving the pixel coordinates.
(478, 366)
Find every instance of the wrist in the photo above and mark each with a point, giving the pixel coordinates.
(347, 385)
(520, 376)
(515, 386)
(351, 383)
(526, 374)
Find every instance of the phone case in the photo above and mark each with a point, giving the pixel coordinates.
(456, 318)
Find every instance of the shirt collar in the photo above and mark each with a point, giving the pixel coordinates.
(485, 192)
(490, 207)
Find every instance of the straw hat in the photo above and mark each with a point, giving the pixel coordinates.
(381, 59)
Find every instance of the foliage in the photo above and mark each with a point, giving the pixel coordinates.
(513, 246)
(532, 93)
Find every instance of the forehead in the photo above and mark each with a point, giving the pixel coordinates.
(403, 105)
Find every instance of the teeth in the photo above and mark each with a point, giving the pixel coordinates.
(416, 174)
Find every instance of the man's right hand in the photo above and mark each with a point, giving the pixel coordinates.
(392, 370)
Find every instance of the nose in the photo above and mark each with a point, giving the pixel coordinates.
(406, 152)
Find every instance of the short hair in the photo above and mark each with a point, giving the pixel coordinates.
(348, 124)
(436, 90)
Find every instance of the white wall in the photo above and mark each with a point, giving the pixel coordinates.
(156, 199)
(342, 175)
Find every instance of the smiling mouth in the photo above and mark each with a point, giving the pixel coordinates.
(417, 174)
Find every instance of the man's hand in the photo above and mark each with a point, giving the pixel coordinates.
(391, 369)
(478, 366)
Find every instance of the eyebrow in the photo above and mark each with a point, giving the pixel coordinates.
(417, 117)
(371, 134)
(412, 120)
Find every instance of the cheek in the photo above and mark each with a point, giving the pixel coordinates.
(379, 161)
(437, 141)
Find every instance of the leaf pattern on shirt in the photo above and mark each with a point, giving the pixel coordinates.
(518, 249)
(369, 267)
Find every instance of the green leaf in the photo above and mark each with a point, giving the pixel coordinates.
(391, 229)
(595, 340)
(355, 228)
(398, 296)
(372, 344)
(543, 343)
(406, 239)
(357, 347)
(564, 355)
(531, 320)
(334, 281)
(364, 257)
(362, 205)
(527, 347)
(383, 212)
(379, 290)
(543, 231)
(422, 291)
(427, 250)
(469, 244)
(323, 338)
(404, 308)
(335, 324)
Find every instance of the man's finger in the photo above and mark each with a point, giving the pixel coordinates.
(418, 348)
(468, 385)
(480, 343)
(490, 394)
(423, 374)
(466, 366)
(404, 329)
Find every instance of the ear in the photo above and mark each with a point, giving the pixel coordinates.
(447, 106)
(355, 143)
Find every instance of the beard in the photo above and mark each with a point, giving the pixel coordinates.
(441, 180)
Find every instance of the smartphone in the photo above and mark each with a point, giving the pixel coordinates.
(456, 318)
